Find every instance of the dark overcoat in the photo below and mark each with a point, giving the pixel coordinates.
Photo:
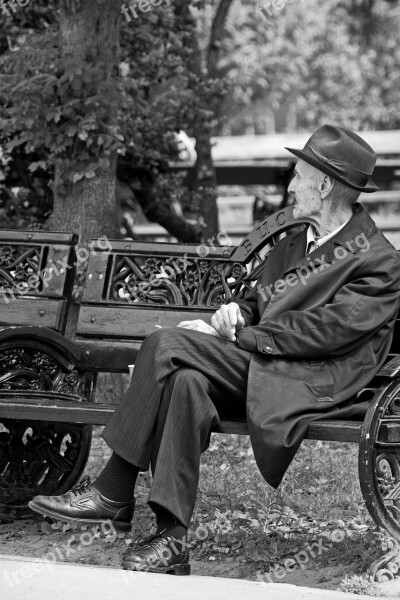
(320, 327)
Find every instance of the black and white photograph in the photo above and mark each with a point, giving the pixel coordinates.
(199, 299)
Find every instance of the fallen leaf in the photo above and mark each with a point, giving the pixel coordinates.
(46, 528)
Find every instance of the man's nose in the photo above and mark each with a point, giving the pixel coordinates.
(292, 187)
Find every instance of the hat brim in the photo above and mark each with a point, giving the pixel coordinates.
(370, 187)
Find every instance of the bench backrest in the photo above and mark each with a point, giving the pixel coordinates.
(133, 288)
(36, 277)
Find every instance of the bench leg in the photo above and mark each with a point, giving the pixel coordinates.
(39, 458)
(379, 469)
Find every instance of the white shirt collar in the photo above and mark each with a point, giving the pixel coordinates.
(312, 238)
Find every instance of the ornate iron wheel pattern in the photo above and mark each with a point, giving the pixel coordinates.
(379, 470)
(38, 457)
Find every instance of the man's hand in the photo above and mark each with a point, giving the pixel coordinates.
(227, 320)
(198, 325)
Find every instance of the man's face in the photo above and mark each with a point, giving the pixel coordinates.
(304, 186)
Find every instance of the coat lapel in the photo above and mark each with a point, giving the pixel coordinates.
(296, 257)
(360, 223)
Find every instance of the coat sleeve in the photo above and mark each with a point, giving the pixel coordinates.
(357, 310)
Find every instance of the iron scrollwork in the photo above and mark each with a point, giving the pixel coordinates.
(177, 281)
(38, 457)
(17, 265)
(387, 457)
(380, 474)
(23, 368)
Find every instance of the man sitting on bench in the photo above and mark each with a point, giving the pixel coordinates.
(312, 332)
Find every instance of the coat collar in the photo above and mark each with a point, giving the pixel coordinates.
(360, 223)
(311, 237)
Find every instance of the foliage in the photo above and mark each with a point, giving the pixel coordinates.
(358, 585)
(52, 116)
(336, 61)
(332, 61)
(53, 113)
(240, 522)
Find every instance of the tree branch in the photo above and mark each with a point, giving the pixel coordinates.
(216, 35)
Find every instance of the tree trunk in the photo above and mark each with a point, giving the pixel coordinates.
(205, 174)
(89, 34)
(88, 206)
(206, 182)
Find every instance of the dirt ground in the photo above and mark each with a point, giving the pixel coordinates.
(38, 538)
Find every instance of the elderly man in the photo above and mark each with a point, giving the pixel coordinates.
(315, 329)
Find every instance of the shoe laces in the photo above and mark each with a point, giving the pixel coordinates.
(81, 487)
(152, 541)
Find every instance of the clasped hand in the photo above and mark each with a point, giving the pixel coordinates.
(224, 323)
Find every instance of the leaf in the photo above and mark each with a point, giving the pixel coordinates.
(322, 481)
(76, 177)
(71, 130)
(46, 528)
(41, 164)
(237, 514)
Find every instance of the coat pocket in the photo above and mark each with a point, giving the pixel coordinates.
(321, 381)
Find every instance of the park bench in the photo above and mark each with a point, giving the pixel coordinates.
(48, 379)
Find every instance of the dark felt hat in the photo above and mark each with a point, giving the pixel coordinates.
(342, 154)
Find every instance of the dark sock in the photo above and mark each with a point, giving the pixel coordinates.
(167, 521)
(117, 479)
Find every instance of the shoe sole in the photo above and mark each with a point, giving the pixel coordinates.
(119, 525)
(179, 569)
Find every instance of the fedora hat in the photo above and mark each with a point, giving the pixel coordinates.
(341, 154)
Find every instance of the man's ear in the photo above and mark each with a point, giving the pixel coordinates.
(326, 185)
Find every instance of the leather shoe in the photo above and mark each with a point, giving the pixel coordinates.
(85, 505)
(160, 553)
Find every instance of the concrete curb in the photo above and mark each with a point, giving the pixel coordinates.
(37, 579)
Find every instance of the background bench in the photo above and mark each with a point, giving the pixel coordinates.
(48, 382)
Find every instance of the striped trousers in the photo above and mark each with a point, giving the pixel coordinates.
(184, 381)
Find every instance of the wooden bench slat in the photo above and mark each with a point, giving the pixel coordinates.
(160, 249)
(111, 356)
(329, 431)
(55, 411)
(99, 414)
(28, 236)
(45, 312)
(130, 322)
